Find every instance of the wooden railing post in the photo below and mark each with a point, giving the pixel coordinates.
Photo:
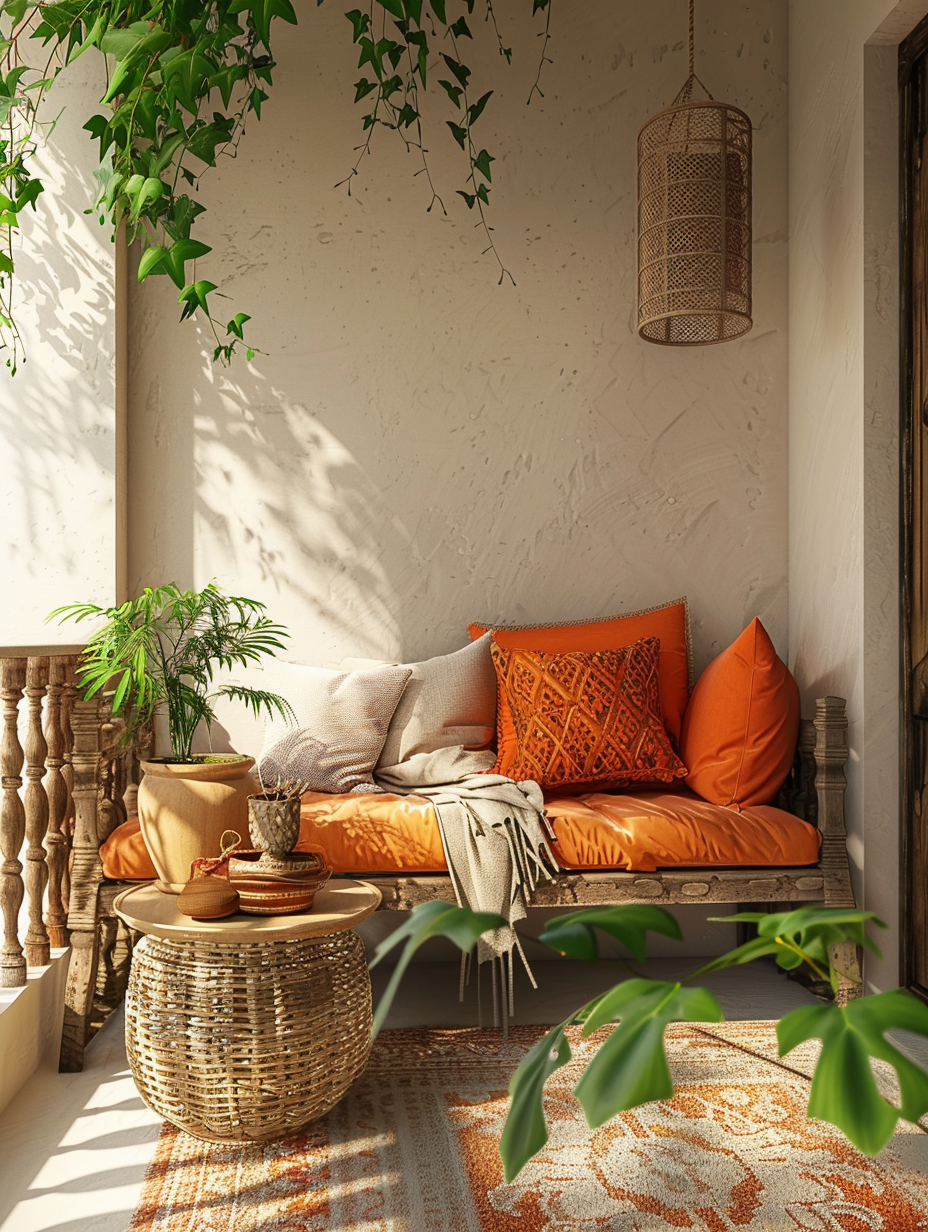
(60, 676)
(830, 785)
(86, 875)
(12, 824)
(36, 802)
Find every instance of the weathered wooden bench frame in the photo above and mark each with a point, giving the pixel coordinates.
(101, 947)
(815, 791)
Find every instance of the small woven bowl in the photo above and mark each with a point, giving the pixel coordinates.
(277, 887)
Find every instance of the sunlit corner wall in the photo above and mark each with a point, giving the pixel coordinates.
(844, 412)
(58, 508)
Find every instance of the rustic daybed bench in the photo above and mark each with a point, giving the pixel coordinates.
(718, 872)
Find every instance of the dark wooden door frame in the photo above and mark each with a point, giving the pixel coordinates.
(913, 111)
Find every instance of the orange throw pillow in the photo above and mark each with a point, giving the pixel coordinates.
(669, 622)
(586, 718)
(741, 726)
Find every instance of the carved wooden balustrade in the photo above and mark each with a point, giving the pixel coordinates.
(63, 781)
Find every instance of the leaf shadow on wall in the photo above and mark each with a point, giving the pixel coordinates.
(280, 510)
(56, 414)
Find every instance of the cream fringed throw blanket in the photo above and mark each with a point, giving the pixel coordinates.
(492, 831)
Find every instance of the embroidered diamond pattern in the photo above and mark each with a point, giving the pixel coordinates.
(588, 718)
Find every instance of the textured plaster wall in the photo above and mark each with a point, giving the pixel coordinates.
(57, 424)
(417, 446)
(844, 405)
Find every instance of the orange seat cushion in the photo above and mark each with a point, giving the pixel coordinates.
(386, 834)
(668, 622)
(742, 723)
(586, 718)
(649, 831)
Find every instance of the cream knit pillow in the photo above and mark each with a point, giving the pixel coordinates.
(449, 700)
(341, 721)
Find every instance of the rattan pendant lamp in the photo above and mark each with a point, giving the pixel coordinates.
(694, 219)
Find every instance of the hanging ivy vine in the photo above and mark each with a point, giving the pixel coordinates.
(182, 78)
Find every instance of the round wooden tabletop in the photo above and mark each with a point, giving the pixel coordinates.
(339, 905)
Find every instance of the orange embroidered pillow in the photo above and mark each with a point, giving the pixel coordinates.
(669, 623)
(586, 718)
(741, 726)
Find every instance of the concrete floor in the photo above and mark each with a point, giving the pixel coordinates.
(74, 1148)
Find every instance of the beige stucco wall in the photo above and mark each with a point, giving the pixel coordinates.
(57, 421)
(844, 402)
(417, 446)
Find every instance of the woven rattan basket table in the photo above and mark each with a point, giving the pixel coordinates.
(248, 1028)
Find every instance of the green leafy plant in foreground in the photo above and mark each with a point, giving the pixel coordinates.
(630, 1066)
(163, 648)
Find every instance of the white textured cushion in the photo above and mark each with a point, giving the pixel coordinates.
(341, 721)
(449, 700)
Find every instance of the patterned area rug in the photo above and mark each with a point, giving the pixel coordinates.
(413, 1148)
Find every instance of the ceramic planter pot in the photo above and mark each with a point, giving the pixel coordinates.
(184, 809)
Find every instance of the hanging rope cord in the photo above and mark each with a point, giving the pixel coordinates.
(692, 80)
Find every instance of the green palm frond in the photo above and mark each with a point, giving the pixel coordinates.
(165, 646)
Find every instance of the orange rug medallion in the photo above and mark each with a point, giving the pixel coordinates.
(413, 1148)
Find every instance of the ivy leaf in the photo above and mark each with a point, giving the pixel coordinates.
(459, 71)
(573, 934)
(844, 1090)
(459, 134)
(476, 109)
(537, 5)
(482, 163)
(360, 22)
(453, 92)
(630, 1067)
(151, 258)
(28, 193)
(178, 221)
(194, 297)
(363, 87)
(262, 13)
(186, 76)
(146, 194)
(438, 8)
(526, 1130)
(413, 10)
(436, 919)
(235, 326)
(393, 7)
(178, 254)
(119, 42)
(460, 29)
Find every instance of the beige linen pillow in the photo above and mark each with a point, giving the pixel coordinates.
(449, 700)
(339, 726)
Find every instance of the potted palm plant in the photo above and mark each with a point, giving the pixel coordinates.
(158, 653)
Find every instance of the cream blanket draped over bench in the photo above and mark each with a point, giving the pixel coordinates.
(493, 835)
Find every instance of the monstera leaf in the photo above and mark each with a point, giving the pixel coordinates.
(630, 1068)
(573, 934)
(844, 1090)
(437, 919)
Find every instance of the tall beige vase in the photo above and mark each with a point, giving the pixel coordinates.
(184, 809)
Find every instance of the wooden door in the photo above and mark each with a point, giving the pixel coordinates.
(913, 63)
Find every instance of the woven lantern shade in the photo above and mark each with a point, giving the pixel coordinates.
(694, 220)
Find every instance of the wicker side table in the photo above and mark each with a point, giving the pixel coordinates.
(248, 1028)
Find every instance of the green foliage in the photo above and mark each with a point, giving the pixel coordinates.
(630, 1066)
(438, 919)
(163, 649)
(397, 42)
(183, 77)
(844, 1090)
